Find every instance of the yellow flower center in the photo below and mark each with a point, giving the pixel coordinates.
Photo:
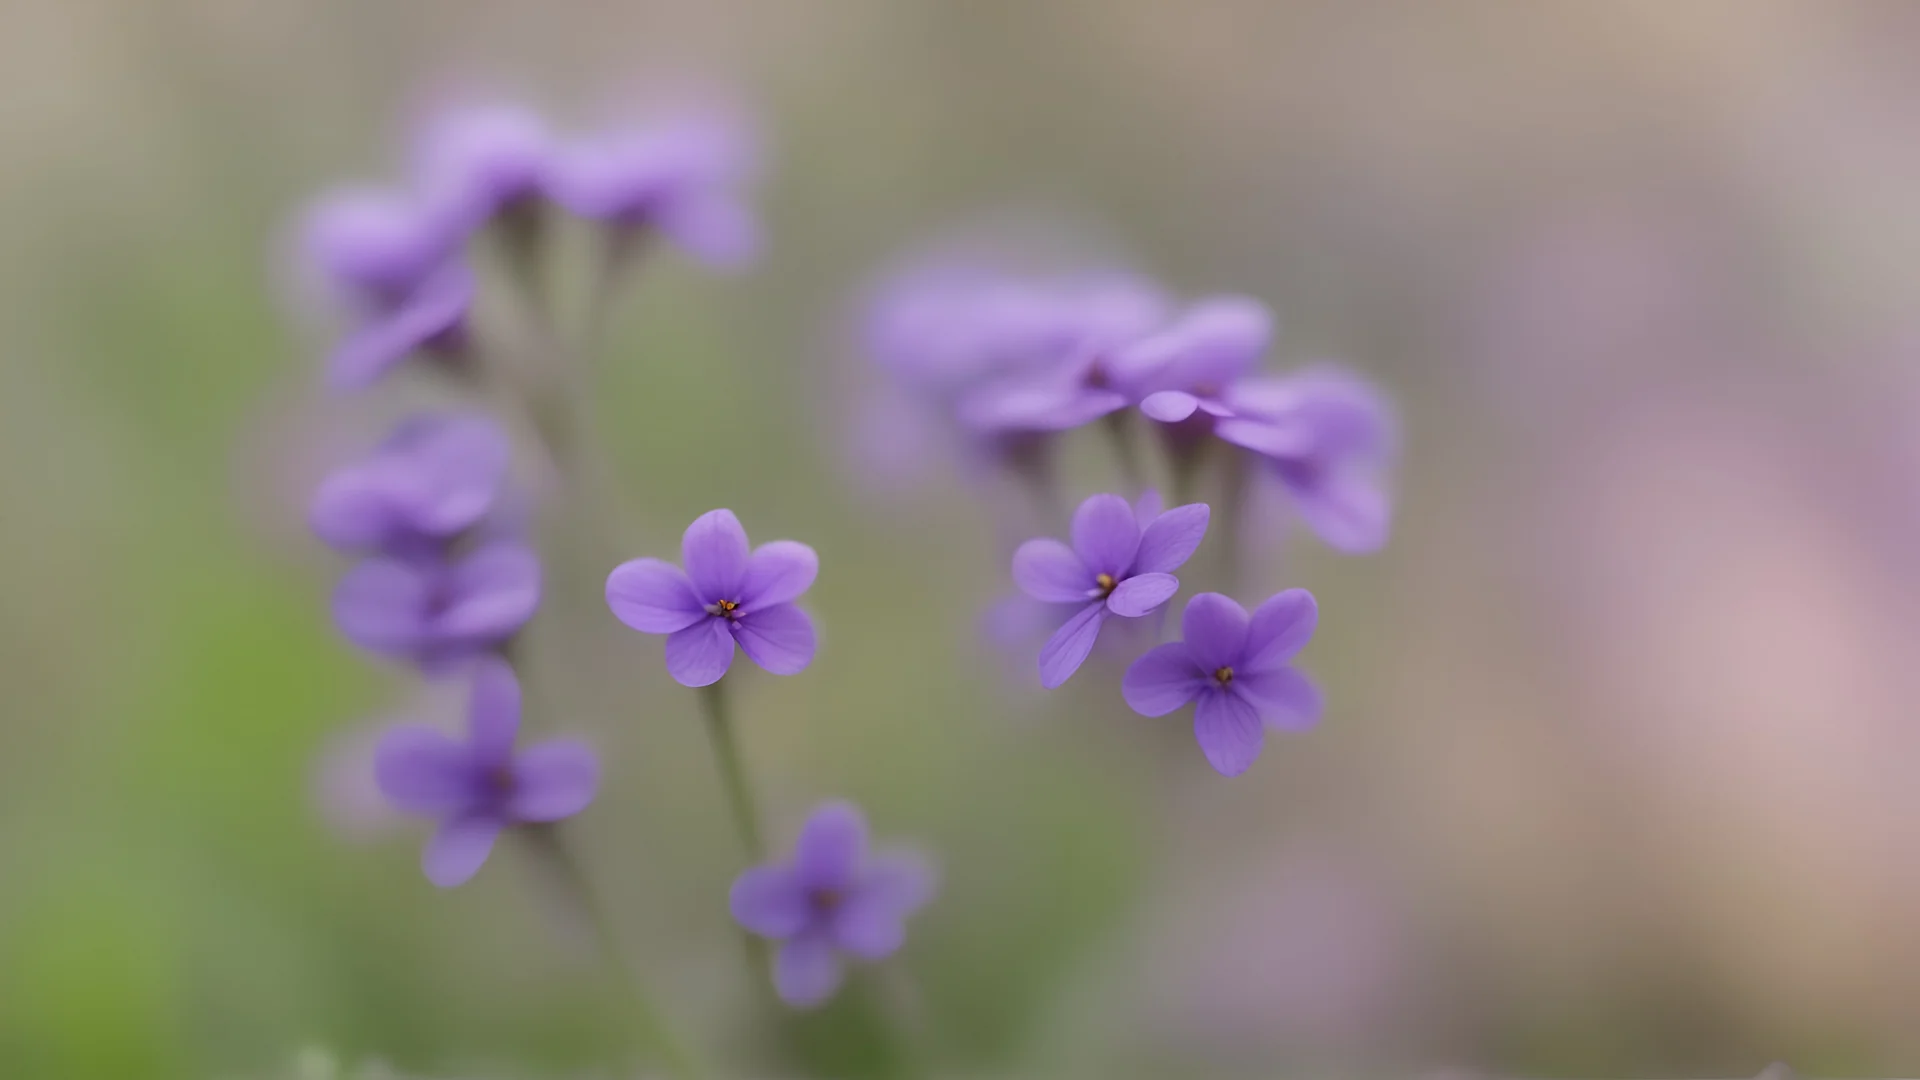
(1106, 583)
(1223, 676)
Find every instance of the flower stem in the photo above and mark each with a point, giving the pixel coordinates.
(733, 774)
(656, 1034)
(1125, 455)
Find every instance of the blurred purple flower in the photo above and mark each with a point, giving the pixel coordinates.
(1330, 437)
(392, 266)
(727, 594)
(1234, 670)
(475, 161)
(681, 176)
(1119, 564)
(1194, 363)
(832, 897)
(435, 479)
(479, 786)
(439, 613)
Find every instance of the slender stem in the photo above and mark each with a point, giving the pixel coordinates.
(1126, 456)
(656, 1033)
(733, 774)
(1233, 506)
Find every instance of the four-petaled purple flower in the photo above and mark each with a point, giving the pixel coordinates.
(436, 478)
(1234, 670)
(1119, 564)
(1329, 436)
(439, 612)
(480, 786)
(393, 265)
(681, 176)
(727, 594)
(832, 897)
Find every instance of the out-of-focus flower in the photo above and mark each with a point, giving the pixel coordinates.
(476, 161)
(727, 594)
(479, 786)
(682, 177)
(435, 479)
(1235, 671)
(1194, 364)
(1330, 437)
(391, 266)
(1119, 564)
(832, 897)
(438, 613)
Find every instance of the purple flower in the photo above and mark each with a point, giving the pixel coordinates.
(475, 161)
(1194, 364)
(438, 613)
(479, 786)
(1119, 564)
(1329, 437)
(1234, 671)
(393, 266)
(681, 176)
(435, 479)
(831, 898)
(727, 594)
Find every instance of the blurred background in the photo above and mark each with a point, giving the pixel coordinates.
(1618, 773)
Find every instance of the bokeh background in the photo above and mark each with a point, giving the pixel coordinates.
(1618, 777)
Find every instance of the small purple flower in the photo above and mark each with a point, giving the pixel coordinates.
(475, 161)
(1118, 565)
(479, 786)
(1330, 438)
(1234, 670)
(435, 479)
(727, 594)
(1194, 364)
(438, 613)
(681, 176)
(831, 898)
(393, 266)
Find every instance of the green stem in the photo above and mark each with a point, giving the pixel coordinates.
(733, 774)
(1236, 487)
(656, 1033)
(1120, 433)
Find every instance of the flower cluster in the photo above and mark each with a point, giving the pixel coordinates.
(448, 579)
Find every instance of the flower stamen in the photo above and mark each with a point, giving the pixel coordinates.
(726, 608)
(1223, 676)
(1106, 584)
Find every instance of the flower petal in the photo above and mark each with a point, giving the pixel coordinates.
(1147, 507)
(699, 654)
(493, 711)
(832, 842)
(1283, 441)
(422, 770)
(1162, 680)
(1279, 628)
(495, 591)
(714, 551)
(1216, 631)
(1170, 539)
(380, 605)
(1228, 729)
(1048, 570)
(653, 597)
(778, 638)
(435, 310)
(1349, 508)
(1287, 699)
(553, 780)
(1067, 649)
(778, 573)
(806, 971)
(458, 849)
(716, 229)
(1105, 534)
(1169, 406)
(1141, 593)
(770, 901)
